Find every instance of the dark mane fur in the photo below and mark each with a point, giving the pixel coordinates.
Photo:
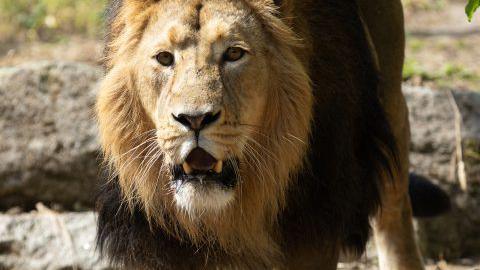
(125, 237)
(351, 145)
(351, 151)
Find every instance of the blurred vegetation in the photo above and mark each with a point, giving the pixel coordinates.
(413, 68)
(424, 4)
(450, 75)
(49, 20)
(471, 7)
(45, 22)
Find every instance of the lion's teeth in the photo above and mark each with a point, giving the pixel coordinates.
(218, 167)
(186, 168)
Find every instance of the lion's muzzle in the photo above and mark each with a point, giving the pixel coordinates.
(200, 164)
(203, 183)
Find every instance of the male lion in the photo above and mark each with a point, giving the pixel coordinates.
(254, 134)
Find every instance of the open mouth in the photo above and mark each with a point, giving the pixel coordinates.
(202, 168)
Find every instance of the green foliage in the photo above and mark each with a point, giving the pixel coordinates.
(471, 8)
(47, 19)
(448, 72)
(411, 68)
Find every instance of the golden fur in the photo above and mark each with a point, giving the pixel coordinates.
(126, 122)
(294, 84)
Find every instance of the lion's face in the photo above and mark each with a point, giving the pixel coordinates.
(203, 80)
(205, 110)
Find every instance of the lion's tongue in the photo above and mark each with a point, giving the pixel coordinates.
(200, 160)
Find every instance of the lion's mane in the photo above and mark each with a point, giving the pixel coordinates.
(322, 191)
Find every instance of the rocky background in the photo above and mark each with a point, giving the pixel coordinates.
(48, 146)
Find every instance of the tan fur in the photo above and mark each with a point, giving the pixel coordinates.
(140, 142)
(127, 106)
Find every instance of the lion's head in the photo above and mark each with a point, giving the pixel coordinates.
(204, 115)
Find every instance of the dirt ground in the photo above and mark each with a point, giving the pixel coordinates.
(74, 48)
(442, 52)
(442, 46)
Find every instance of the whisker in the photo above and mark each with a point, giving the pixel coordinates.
(263, 162)
(139, 155)
(150, 161)
(149, 140)
(257, 163)
(144, 158)
(267, 151)
(295, 137)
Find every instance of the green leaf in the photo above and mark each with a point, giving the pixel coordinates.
(471, 8)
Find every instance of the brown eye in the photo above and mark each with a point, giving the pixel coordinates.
(165, 59)
(234, 54)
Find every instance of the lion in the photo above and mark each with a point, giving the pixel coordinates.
(254, 134)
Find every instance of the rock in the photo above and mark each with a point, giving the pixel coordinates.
(432, 119)
(48, 145)
(49, 241)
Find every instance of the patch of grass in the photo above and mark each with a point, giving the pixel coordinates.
(412, 68)
(448, 76)
(48, 20)
(424, 4)
(452, 75)
(456, 71)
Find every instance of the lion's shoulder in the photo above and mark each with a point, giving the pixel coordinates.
(352, 146)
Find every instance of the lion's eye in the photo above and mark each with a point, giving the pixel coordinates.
(234, 54)
(165, 59)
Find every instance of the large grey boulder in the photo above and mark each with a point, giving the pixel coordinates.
(433, 148)
(49, 241)
(48, 146)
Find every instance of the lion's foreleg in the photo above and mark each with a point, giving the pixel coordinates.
(393, 227)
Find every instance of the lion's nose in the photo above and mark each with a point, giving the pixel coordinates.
(197, 122)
